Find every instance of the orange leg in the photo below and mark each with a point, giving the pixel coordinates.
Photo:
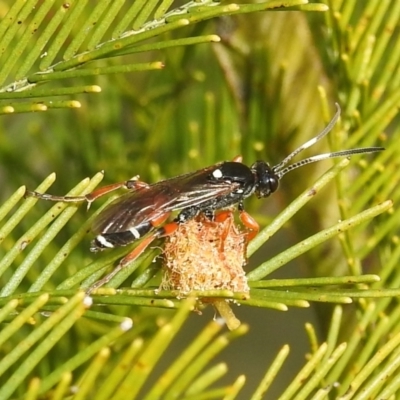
(250, 223)
(91, 197)
(130, 185)
(166, 230)
(160, 220)
(247, 220)
(222, 217)
(133, 255)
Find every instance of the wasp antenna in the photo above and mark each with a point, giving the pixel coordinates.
(320, 157)
(311, 142)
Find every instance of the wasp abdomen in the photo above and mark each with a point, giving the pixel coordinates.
(118, 239)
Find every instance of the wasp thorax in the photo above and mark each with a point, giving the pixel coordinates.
(267, 181)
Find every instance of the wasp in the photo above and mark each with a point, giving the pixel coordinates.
(143, 211)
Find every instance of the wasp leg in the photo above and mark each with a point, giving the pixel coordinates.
(219, 217)
(124, 262)
(222, 217)
(163, 231)
(91, 197)
(132, 184)
(249, 222)
(50, 197)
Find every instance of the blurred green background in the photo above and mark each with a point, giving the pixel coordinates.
(269, 85)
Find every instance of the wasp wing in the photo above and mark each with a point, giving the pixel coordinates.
(143, 205)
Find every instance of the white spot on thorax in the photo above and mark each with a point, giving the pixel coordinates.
(217, 174)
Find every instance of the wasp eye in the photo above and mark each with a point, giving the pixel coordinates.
(268, 186)
(267, 180)
(273, 183)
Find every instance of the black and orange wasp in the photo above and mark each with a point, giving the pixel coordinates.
(145, 209)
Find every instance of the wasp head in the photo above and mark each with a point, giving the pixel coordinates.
(267, 181)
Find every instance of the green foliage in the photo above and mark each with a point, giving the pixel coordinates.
(178, 88)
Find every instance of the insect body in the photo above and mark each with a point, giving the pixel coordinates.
(144, 209)
(138, 212)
